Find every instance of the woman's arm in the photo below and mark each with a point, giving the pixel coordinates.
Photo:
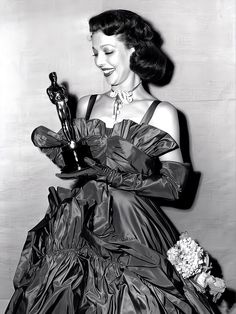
(168, 184)
(165, 118)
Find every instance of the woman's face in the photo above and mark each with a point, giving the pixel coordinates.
(112, 57)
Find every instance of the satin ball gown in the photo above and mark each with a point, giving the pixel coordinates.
(100, 248)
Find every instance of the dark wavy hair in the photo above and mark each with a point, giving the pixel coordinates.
(148, 61)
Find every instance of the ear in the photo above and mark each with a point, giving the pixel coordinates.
(132, 50)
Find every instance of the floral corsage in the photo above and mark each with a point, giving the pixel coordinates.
(191, 261)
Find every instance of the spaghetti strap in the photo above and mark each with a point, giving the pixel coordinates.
(146, 118)
(150, 111)
(91, 103)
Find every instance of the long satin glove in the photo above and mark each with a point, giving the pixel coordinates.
(168, 184)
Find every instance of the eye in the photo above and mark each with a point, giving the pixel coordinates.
(108, 52)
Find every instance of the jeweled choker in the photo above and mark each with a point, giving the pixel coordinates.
(121, 97)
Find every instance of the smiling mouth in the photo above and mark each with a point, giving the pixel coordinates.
(108, 72)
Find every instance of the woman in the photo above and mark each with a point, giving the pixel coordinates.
(101, 247)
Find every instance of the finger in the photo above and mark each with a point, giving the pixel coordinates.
(72, 175)
(95, 166)
(67, 175)
(90, 162)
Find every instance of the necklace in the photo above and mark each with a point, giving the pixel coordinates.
(121, 97)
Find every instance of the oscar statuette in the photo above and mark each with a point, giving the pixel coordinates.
(71, 152)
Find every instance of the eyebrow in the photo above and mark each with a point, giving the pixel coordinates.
(102, 46)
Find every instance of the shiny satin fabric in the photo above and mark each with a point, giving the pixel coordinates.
(101, 249)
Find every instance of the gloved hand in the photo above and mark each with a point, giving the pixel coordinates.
(168, 184)
(85, 172)
(54, 145)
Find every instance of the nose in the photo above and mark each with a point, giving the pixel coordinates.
(100, 60)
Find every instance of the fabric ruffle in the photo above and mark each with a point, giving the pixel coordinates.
(128, 136)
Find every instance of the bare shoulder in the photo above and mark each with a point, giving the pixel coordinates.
(165, 108)
(165, 118)
(82, 106)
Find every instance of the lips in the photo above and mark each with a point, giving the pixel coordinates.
(107, 72)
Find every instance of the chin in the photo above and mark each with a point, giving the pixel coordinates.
(111, 80)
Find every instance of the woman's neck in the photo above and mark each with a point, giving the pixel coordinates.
(128, 84)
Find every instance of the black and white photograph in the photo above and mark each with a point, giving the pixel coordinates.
(118, 157)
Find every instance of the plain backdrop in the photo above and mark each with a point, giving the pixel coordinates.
(37, 37)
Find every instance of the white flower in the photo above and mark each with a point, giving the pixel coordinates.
(202, 279)
(187, 256)
(216, 285)
(190, 260)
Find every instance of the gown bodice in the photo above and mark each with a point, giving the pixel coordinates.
(128, 146)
